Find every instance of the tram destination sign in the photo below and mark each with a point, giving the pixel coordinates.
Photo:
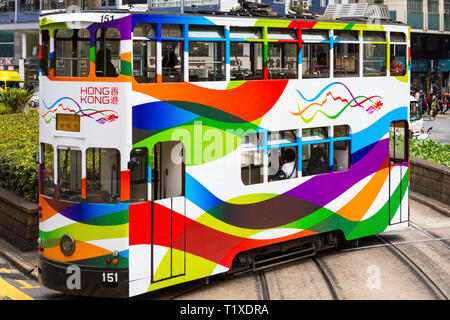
(68, 122)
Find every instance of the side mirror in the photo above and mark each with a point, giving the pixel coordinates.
(36, 157)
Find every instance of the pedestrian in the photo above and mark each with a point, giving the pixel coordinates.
(434, 107)
(428, 102)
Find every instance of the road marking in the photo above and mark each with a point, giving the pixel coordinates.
(26, 285)
(4, 270)
(7, 290)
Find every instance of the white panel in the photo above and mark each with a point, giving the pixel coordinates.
(138, 286)
(178, 205)
(158, 255)
(140, 257)
(395, 178)
(396, 218)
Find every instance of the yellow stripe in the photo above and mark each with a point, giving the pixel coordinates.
(7, 290)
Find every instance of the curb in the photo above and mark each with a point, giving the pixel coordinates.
(434, 204)
(13, 255)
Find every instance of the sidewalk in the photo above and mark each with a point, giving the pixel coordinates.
(27, 262)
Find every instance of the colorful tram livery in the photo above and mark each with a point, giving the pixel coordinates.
(176, 147)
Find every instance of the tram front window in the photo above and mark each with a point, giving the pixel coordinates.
(102, 175)
(69, 174)
(47, 176)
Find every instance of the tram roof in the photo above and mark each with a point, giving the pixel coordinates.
(237, 14)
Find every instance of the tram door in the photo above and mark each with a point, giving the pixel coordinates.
(398, 155)
(168, 210)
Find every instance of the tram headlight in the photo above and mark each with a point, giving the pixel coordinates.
(67, 245)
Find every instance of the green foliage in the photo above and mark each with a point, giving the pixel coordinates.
(19, 140)
(431, 150)
(14, 100)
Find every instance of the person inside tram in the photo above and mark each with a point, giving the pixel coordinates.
(319, 161)
(395, 67)
(321, 66)
(170, 60)
(103, 62)
(289, 166)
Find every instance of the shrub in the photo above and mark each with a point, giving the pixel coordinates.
(14, 100)
(18, 143)
(431, 150)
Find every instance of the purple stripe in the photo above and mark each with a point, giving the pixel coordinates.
(324, 188)
(122, 24)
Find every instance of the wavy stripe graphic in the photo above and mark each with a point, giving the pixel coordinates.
(375, 105)
(107, 115)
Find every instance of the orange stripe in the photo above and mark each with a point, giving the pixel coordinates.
(83, 188)
(125, 185)
(126, 56)
(47, 210)
(358, 206)
(83, 250)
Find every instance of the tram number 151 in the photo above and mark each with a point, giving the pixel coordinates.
(110, 279)
(106, 18)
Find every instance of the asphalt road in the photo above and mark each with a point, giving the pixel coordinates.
(412, 263)
(441, 128)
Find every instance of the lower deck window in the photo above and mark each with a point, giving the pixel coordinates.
(138, 175)
(102, 175)
(47, 170)
(69, 174)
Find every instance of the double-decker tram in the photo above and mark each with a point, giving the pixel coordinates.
(176, 147)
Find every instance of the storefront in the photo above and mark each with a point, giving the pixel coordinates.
(419, 74)
(444, 70)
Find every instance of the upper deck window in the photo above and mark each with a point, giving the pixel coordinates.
(107, 58)
(316, 55)
(374, 60)
(144, 53)
(398, 54)
(206, 32)
(171, 31)
(282, 34)
(172, 53)
(45, 58)
(246, 60)
(72, 53)
(206, 61)
(283, 60)
(245, 33)
(346, 54)
(144, 30)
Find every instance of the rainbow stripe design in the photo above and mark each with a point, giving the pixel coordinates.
(220, 216)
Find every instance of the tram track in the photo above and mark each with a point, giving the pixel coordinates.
(263, 282)
(430, 235)
(324, 272)
(414, 268)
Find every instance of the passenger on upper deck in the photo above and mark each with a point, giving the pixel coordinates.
(321, 66)
(170, 60)
(103, 64)
(319, 162)
(395, 67)
(289, 164)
